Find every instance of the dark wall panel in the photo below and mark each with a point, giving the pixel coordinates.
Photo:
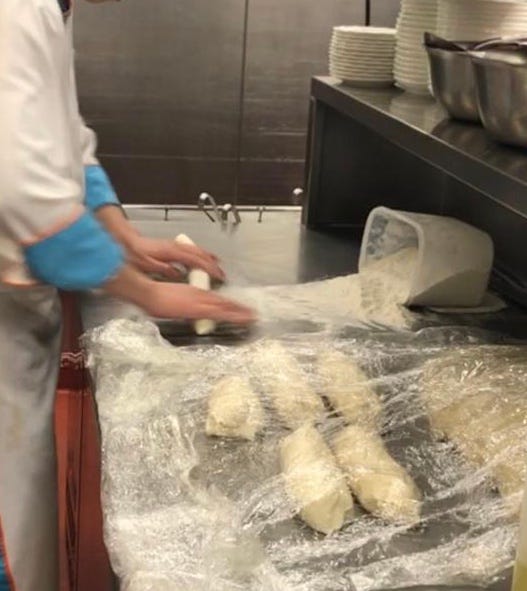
(159, 81)
(384, 12)
(288, 43)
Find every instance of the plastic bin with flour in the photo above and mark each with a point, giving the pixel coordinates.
(453, 263)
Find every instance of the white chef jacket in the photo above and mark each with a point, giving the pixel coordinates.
(50, 179)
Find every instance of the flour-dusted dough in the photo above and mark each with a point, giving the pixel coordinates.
(201, 280)
(284, 382)
(234, 409)
(314, 481)
(348, 389)
(383, 487)
(474, 396)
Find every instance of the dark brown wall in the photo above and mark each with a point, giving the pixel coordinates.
(161, 83)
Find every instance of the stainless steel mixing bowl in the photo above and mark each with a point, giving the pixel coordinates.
(501, 84)
(453, 82)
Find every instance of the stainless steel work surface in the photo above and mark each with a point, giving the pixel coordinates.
(279, 251)
(275, 251)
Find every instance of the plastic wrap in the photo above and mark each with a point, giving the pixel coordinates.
(189, 512)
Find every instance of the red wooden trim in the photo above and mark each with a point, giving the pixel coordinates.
(82, 543)
(7, 566)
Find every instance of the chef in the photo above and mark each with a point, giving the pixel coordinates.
(61, 227)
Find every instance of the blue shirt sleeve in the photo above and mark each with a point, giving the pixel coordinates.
(99, 189)
(80, 257)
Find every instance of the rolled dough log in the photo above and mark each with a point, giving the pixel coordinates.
(314, 481)
(383, 487)
(348, 389)
(201, 280)
(234, 409)
(474, 397)
(284, 381)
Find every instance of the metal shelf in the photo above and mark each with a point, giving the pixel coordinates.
(420, 126)
(370, 147)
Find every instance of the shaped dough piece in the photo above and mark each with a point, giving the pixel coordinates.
(383, 487)
(348, 389)
(201, 280)
(234, 410)
(474, 397)
(314, 481)
(285, 383)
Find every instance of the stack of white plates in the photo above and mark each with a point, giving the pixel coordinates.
(411, 61)
(362, 56)
(476, 20)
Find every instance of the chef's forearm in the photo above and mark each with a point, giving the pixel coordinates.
(130, 285)
(115, 222)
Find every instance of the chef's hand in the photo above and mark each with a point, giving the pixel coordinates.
(182, 301)
(158, 256)
(169, 300)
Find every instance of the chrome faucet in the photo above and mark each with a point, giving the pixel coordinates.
(205, 200)
(228, 208)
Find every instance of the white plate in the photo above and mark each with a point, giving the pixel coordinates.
(481, 20)
(402, 62)
(361, 65)
(362, 51)
(364, 46)
(414, 72)
(364, 38)
(363, 82)
(364, 31)
(414, 28)
(358, 43)
(408, 73)
(411, 27)
(483, 6)
(376, 38)
(417, 69)
(423, 82)
(367, 41)
(359, 75)
(409, 80)
(413, 88)
(362, 57)
(411, 71)
(412, 51)
(366, 83)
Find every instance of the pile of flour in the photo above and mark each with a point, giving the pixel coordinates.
(374, 296)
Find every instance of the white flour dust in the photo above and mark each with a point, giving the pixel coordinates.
(374, 296)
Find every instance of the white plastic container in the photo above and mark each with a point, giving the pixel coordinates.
(454, 259)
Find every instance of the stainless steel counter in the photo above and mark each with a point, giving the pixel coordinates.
(276, 251)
